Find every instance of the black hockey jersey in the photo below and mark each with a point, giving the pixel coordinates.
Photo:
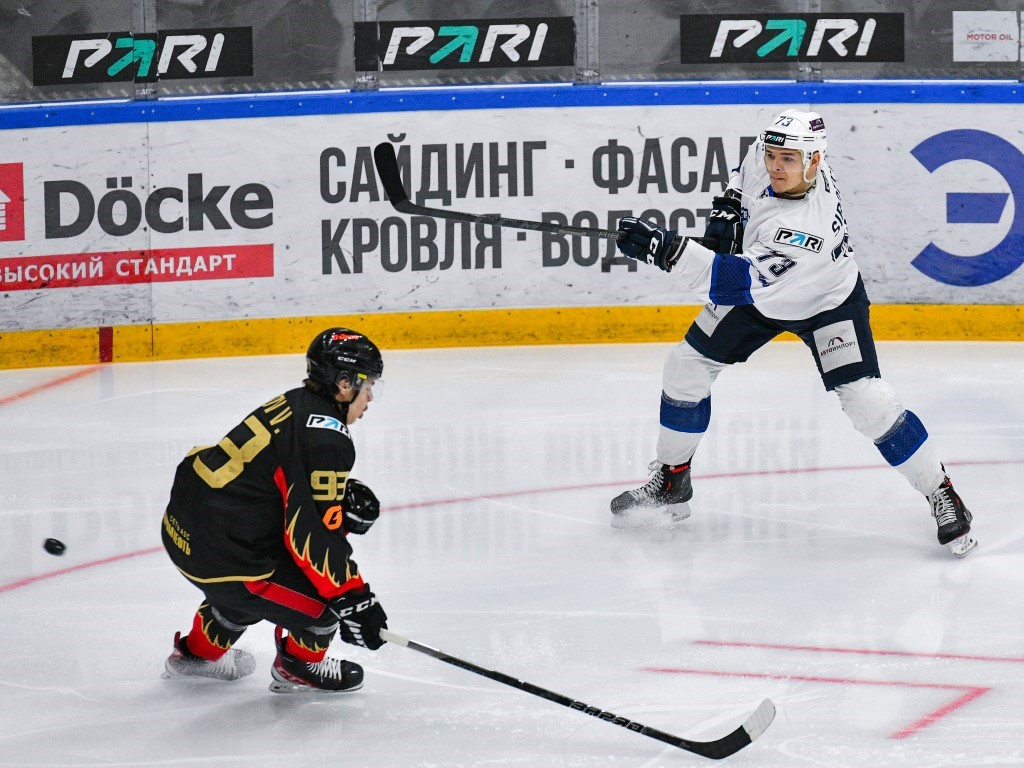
(271, 488)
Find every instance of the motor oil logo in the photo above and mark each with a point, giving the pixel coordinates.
(12, 202)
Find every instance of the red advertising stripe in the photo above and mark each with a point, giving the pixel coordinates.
(159, 265)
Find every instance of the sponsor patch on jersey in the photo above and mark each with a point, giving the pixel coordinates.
(711, 316)
(799, 239)
(326, 422)
(837, 345)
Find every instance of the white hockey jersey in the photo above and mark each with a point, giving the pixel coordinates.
(797, 259)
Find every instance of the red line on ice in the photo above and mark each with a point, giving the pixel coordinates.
(708, 476)
(481, 497)
(860, 651)
(48, 385)
(80, 567)
(970, 692)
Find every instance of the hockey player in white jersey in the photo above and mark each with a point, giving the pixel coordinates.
(781, 261)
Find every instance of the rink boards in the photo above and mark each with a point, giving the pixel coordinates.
(237, 225)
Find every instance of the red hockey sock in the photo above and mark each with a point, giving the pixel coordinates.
(299, 651)
(208, 638)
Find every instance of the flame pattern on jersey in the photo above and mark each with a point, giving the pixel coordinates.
(261, 495)
(313, 556)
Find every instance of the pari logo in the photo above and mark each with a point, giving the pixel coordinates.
(975, 207)
(798, 239)
(319, 421)
(759, 38)
(124, 56)
(465, 43)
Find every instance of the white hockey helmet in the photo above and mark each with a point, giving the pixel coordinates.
(793, 129)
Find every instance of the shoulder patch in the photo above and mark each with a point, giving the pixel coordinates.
(319, 421)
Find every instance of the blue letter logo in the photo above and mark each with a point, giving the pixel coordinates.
(975, 208)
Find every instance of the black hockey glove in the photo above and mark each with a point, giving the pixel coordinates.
(724, 232)
(360, 618)
(360, 508)
(645, 242)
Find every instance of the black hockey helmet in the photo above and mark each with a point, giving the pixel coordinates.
(339, 353)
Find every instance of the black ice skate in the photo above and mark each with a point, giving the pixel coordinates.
(953, 519)
(662, 501)
(331, 675)
(233, 665)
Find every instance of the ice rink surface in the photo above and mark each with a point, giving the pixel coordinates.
(809, 572)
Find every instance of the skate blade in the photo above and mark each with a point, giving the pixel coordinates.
(961, 547)
(278, 686)
(173, 674)
(244, 666)
(667, 516)
(201, 679)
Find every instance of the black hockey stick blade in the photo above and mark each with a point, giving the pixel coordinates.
(387, 168)
(729, 744)
(386, 160)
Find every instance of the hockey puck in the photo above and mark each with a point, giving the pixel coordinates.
(54, 546)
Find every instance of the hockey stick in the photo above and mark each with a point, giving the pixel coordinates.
(386, 160)
(733, 742)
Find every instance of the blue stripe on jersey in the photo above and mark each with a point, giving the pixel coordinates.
(730, 281)
(903, 440)
(682, 416)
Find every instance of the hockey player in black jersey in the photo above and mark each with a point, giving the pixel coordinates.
(260, 522)
(783, 261)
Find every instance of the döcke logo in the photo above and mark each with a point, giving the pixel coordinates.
(975, 207)
(70, 207)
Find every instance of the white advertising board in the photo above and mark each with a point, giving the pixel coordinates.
(282, 217)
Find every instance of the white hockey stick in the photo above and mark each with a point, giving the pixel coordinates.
(729, 744)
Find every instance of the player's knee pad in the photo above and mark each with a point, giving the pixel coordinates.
(872, 405)
(688, 375)
(686, 390)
